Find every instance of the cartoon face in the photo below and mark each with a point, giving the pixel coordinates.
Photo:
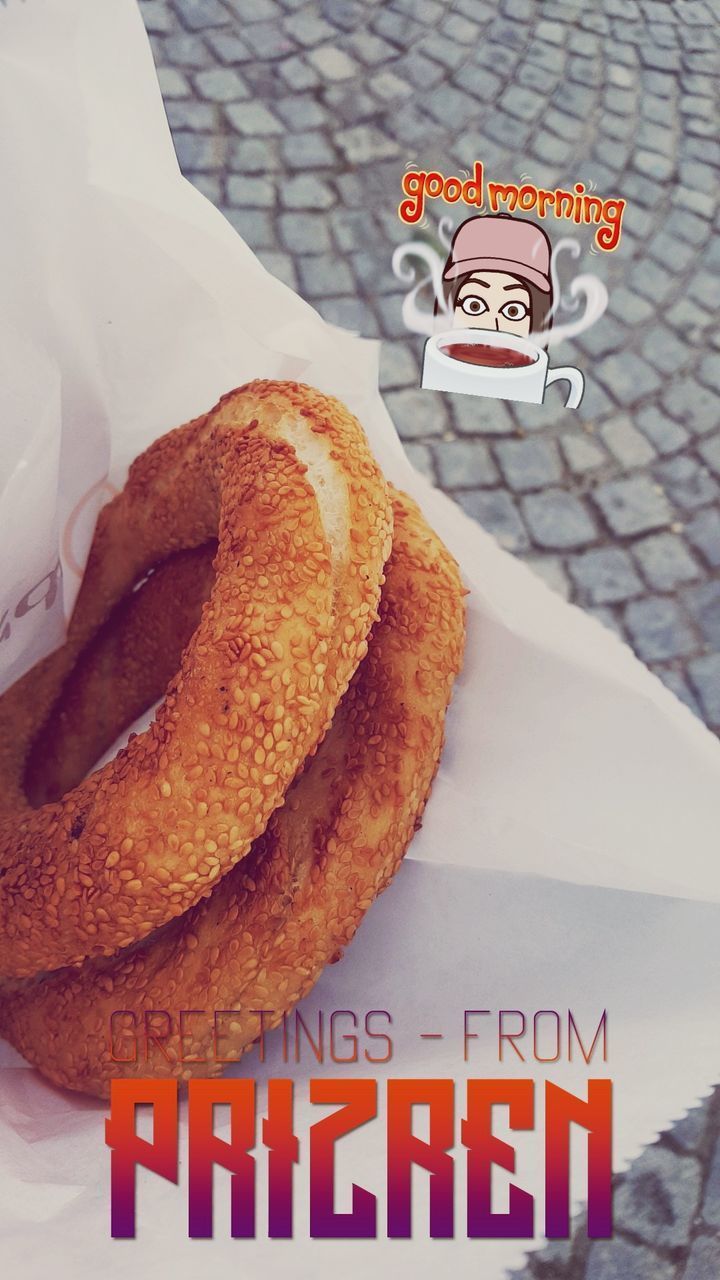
(493, 300)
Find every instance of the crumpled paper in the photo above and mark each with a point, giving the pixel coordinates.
(568, 855)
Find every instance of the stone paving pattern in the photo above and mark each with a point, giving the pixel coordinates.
(297, 120)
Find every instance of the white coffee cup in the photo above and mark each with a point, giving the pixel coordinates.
(526, 382)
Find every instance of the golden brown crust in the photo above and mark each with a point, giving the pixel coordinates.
(144, 838)
(262, 938)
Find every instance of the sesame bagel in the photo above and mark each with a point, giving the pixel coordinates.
(283, 478)
(264, 935)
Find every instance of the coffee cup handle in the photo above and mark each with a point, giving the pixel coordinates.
(576, 380)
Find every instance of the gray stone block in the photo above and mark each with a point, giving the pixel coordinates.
(558, 520)
(495, 510)
(300, 111)
(221, 84)
(305, 233)
(521, 102)
(582, 453)
(629, 306)
(711, 1198)
(665, 561)
(667, 436)
(333, 63)
(417, 414)
(704, 1260)
(703, 601)
(364, 143)
(253, 119)
(209, 184)
(464, 464)
(398, 366)
(305, 191)
(481, 416)
(626, 443)
(633, 505)
(420, 456)
(184, 113)
(307, 151)
(529, 464)
(705, 676)
(709, 371)
(280, 265)
(605, 576)
(659, 631)
(687, 483)
(297, 74)
(254, 225)
(267, 40)
(695, 407)
(350, 313)
(254, 155)
(703, 532)
(198, 151)
(324, 276)
(627, 377)
(308, 29)
(251, 193)
(157, 16)
(196, 15)
(228, 47)
(173, 83)
(619, 1260)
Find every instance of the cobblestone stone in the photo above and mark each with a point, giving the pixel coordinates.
(475, 416)
(529, 464)
(628, 445)
(696, 407)
(305, 233)
(496, 512)
(464, 465)
(619, 1260)
(558, 520)
(627, 377)
(659, 630)
(582, 453)
(687, 483)
(666, 561)
(221, 84)
(633, 505)
(704, 603)
(703, 532)
(705, 677)
(659, 1198)
(417, 413)
(709, 450)
(605, 576)
(704, 1260)
(667, 436)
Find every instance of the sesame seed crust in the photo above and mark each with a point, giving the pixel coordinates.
(286, 624)
(263, 936)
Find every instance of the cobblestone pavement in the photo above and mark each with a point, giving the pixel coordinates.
(297, 120)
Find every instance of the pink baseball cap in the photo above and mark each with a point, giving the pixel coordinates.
(502, 243)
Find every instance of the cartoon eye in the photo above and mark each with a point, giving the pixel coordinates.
(473, 306)
(515, 310)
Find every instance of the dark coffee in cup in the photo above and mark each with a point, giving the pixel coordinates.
(482, 353)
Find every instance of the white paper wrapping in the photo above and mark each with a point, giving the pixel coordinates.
(574, 818)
